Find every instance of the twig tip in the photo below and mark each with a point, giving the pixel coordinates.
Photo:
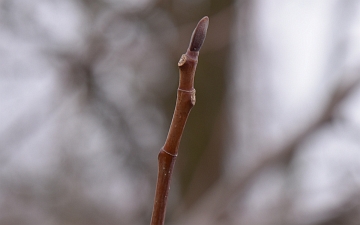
(199, 34)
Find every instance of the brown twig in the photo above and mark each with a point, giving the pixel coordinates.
(184, 102)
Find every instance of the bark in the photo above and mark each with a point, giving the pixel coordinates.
(185, 101)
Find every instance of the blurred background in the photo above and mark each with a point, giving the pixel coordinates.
(88, 89)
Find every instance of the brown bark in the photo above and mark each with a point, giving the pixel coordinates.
(184, 102)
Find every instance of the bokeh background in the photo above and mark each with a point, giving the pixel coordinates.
(88, 87)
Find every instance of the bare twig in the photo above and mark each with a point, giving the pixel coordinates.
(185, 101)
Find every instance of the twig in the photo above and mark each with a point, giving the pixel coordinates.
(184, 102)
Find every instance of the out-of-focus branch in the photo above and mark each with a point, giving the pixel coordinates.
(214, 205)
(347, 212)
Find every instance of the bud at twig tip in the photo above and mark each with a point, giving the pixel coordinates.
(199, 34)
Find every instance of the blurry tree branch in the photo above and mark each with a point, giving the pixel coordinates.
(347, 212)
(216, 203)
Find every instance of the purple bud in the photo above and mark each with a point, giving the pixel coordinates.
(199, 34)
